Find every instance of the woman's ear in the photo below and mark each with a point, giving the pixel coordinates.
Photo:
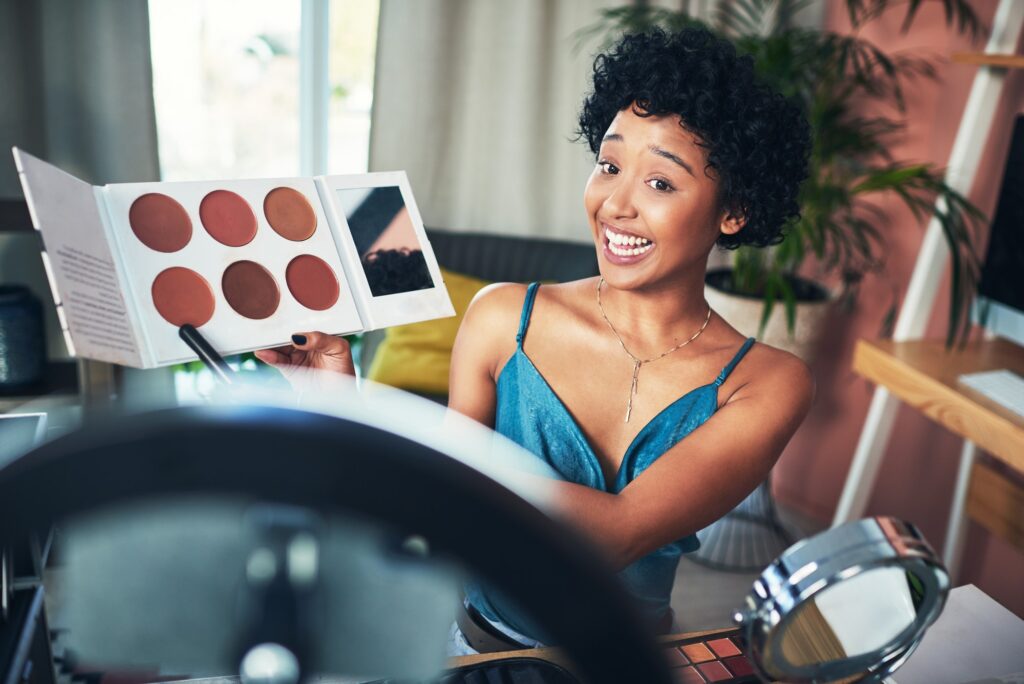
(732, 223)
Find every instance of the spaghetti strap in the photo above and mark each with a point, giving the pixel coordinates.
(531, 293)
(735, 360)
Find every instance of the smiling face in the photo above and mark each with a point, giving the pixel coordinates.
(654, 212)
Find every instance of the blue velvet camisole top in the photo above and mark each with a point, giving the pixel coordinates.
(530, 413)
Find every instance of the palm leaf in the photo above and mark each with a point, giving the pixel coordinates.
(832, 76)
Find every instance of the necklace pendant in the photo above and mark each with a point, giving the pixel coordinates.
(632, 388)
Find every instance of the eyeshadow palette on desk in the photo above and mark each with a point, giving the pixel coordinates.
(248, 262)
(718, 658)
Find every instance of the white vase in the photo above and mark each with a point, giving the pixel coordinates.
(744, 314)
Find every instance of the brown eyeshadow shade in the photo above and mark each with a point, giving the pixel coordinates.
(160, 222)
(228, 218)
(290, 214)
(183, 296)
(724, 647)
(676, 658)
(250, 289)
(312, 282)
(697, 653)
(714, 671)
(687, 675)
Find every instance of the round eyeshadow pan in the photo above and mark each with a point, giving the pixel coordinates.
(183, 296)
(160, 222)
(290, 214)
(228, 218)
(312, 282)
(250, 290)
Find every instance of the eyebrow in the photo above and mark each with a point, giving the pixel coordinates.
(671, 157)
(656, 150)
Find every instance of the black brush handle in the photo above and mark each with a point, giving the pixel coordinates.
(206, 353)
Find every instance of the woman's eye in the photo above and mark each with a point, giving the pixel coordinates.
(660, 185)
(608, 167)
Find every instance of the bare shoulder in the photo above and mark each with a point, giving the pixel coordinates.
(502, 303)
(778, 375)
(489, 327)
(498, 304)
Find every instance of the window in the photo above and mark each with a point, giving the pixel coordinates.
(250, 88)
(260, 88)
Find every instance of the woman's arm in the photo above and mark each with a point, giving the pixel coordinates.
(486, 339)
(702, 477)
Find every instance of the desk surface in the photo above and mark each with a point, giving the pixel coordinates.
(924, 375)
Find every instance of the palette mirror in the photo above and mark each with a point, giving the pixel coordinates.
(852, 602)
(385, 238)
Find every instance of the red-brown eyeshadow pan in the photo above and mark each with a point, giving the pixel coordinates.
(312, 282)
(676, 657)
(183, 296)
(228, 218)
(687, 675)
(697, 653)
(724, 647)
(250, 289)
(739, 666)
(290, 214)
(160, 222)
(714, 671)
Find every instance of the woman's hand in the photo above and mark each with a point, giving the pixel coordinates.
(312, 359)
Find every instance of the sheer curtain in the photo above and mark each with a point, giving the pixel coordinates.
(77, 91)
(477, 101)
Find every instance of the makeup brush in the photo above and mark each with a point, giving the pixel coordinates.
(206, 353)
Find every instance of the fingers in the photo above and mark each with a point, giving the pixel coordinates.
(321, 343)
(273, 357)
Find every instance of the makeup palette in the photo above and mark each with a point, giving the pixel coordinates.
(719, 657)
(246, 262)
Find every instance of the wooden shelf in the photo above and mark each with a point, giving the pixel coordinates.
(982, 59)
(996, 502)
(924, 375)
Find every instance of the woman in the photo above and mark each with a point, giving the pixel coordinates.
(660, 415)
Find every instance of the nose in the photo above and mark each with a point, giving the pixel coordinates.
(620, 201)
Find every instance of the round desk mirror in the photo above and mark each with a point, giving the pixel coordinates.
(849, 604)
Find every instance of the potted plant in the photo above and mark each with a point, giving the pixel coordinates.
(832, 76)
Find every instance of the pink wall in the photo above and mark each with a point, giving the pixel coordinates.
(917, 475)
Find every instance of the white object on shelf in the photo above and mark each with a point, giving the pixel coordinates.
(1004, 387)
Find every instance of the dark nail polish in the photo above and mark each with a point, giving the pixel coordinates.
(299, 339)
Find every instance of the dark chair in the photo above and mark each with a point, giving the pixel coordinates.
(500, 258)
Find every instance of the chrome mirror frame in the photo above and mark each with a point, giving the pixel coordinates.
(822, 561)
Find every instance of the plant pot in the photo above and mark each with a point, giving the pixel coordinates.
(743, 312)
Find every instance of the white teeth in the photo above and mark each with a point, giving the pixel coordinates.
(616, 239)
(636, 251)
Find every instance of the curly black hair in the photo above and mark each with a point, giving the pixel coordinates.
(757, 141)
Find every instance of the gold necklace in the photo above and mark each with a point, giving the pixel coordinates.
(636, 361)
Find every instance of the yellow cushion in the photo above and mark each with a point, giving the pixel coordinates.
(417, 357)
